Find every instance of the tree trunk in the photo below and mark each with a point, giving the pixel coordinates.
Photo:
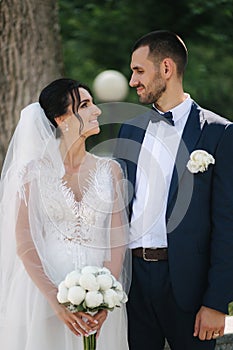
(30, 57)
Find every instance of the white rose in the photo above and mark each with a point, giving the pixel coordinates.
(93, 299)
(119, 298)
(89, 269)
(118, 286)
(193, 167)
(104, 281)
(122, 297)
(72, 279)
(76, 295)
(199, 161)
(111, 298)
(62, 285)
(89, 282)
(62, 295)
(104, 270)
(114, 281)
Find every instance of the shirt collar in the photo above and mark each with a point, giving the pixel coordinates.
(180, 110)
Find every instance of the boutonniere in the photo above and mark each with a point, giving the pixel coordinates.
(199, 161)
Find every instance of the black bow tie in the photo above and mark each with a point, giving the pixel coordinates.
(167, 117)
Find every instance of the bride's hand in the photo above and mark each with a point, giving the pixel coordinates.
(100, 317)
(75, 321)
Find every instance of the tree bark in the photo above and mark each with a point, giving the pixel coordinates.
(30, 57)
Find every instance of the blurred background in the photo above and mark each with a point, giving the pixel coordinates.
(42, 40)
(98, 35)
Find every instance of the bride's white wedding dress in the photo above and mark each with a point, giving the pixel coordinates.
(71, 234)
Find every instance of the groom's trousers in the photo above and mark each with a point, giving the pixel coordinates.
(154, 315)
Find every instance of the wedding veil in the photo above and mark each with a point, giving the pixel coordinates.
(33, 140)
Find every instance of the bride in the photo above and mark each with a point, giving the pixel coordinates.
(61, 208)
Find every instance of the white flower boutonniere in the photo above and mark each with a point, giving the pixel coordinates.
(199, 161)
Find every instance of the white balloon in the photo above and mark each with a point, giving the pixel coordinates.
(110, 86)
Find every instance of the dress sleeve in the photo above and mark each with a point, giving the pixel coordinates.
(120, 261)
(28, 254)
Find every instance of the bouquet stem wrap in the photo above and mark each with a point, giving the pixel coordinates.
(89, 343)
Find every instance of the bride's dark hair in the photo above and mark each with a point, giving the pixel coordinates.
(56, 97)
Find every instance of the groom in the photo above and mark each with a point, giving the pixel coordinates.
(180, 166)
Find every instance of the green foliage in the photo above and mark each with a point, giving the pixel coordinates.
(208, 79)
(92, 38)
(98, 35)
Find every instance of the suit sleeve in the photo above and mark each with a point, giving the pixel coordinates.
(220, 278)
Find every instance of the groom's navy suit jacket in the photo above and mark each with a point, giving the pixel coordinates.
(199, 208)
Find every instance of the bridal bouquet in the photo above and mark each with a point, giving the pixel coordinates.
(89, 290)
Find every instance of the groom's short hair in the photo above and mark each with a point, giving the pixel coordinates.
(162, 44)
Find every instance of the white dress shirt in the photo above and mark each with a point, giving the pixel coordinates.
(154, 171)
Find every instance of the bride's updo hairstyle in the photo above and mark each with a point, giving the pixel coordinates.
(57, 96)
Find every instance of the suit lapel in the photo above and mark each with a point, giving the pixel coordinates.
(190, 137)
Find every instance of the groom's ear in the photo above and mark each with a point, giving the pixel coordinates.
(167, 67)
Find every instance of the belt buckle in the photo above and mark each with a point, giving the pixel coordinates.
(144, 256)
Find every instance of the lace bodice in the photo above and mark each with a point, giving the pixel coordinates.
(71, 224)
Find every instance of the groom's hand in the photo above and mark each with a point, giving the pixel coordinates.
(209, 324)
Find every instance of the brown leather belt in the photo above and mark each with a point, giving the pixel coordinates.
(150, 254)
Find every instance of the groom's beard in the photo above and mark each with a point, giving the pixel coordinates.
(154, 90)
